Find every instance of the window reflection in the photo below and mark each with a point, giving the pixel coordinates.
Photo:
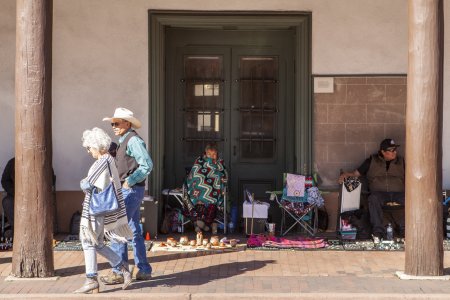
(258, 107)
(206, 90)
(203, 102)
(208, 121)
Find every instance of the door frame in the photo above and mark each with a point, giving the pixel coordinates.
(160, 19)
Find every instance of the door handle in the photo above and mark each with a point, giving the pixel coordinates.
(234, 150)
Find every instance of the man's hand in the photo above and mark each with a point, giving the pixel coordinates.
(344, 176)
(125, 185)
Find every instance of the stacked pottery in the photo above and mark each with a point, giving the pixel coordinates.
(199, 238)
(171, 241)
(214, 240)
(184, 240)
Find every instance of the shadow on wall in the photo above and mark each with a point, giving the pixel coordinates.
(67, 202)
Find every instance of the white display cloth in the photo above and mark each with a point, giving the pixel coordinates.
(260, 210)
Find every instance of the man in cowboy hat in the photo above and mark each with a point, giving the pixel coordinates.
(385, 172)
(134, 165)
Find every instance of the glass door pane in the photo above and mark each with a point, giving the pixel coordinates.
(203, 105)
(258, 101)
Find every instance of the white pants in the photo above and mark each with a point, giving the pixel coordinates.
(90, 256)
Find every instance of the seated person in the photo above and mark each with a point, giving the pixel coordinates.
(385, 172)
(8, 200)
(205, 185)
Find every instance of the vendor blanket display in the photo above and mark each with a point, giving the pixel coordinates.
(265, 243)
(75, 245)
(283, 243)
(206, 181)
(164, 247)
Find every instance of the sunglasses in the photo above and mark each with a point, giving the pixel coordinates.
(392, 150)
(115, 124)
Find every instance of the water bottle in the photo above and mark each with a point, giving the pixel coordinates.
(389, 232)
(230, 227)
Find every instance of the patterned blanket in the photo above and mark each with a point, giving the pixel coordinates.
(206, 181)
(283, 243)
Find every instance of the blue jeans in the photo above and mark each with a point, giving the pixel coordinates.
(376, 201)
(133, 198)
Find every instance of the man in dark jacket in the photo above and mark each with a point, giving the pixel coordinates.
(8, 186)
(385, 172)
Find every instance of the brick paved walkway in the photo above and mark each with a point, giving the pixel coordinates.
(245, 274)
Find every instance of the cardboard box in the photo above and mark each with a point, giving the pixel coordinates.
(259, 225)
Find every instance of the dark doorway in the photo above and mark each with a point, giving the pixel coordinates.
(234, 87)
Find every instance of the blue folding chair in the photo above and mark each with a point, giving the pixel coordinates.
(302, 209)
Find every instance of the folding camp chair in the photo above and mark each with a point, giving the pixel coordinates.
(299, 200)
(182, 197)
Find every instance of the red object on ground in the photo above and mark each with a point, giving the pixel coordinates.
(147, 237)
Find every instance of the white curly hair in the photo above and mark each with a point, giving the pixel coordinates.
(96, 138)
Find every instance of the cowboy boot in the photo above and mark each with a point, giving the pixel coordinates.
(90, 286)
(126, 275)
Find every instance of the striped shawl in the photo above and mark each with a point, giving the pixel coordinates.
(116, 224)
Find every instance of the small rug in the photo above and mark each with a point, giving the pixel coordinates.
(75, 245)
(164, 247)
(284, 243)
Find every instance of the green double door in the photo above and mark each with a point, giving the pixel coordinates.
(234, 88)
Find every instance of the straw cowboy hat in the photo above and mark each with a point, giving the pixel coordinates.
(125, 114)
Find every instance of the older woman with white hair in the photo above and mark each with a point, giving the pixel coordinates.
(113, 226)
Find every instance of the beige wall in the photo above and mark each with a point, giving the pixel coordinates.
(100, 60)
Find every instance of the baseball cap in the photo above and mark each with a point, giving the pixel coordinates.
(388, 143)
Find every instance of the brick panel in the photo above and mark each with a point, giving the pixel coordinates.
(395, 93)
(320, 113)
(355, 133)
(329, 133)
(350, 80)
(347, 113)
(387, 113)
(346, 153)
(350, 123)
(373, 94)
(339, 95)
(320, 152)
(387, 80)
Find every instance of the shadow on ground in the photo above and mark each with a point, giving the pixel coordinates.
(5, 260)
(76, 270)
(199, 276)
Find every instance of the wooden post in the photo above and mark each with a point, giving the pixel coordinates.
(424, 228)
(33, 234)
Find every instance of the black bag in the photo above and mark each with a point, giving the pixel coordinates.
(75, 223)
(360, 220)
(322, 223)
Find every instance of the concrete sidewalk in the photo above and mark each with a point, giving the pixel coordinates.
(246, 274)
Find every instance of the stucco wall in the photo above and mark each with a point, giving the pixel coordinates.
(100, 60)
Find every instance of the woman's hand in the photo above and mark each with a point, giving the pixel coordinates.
(85, 185)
